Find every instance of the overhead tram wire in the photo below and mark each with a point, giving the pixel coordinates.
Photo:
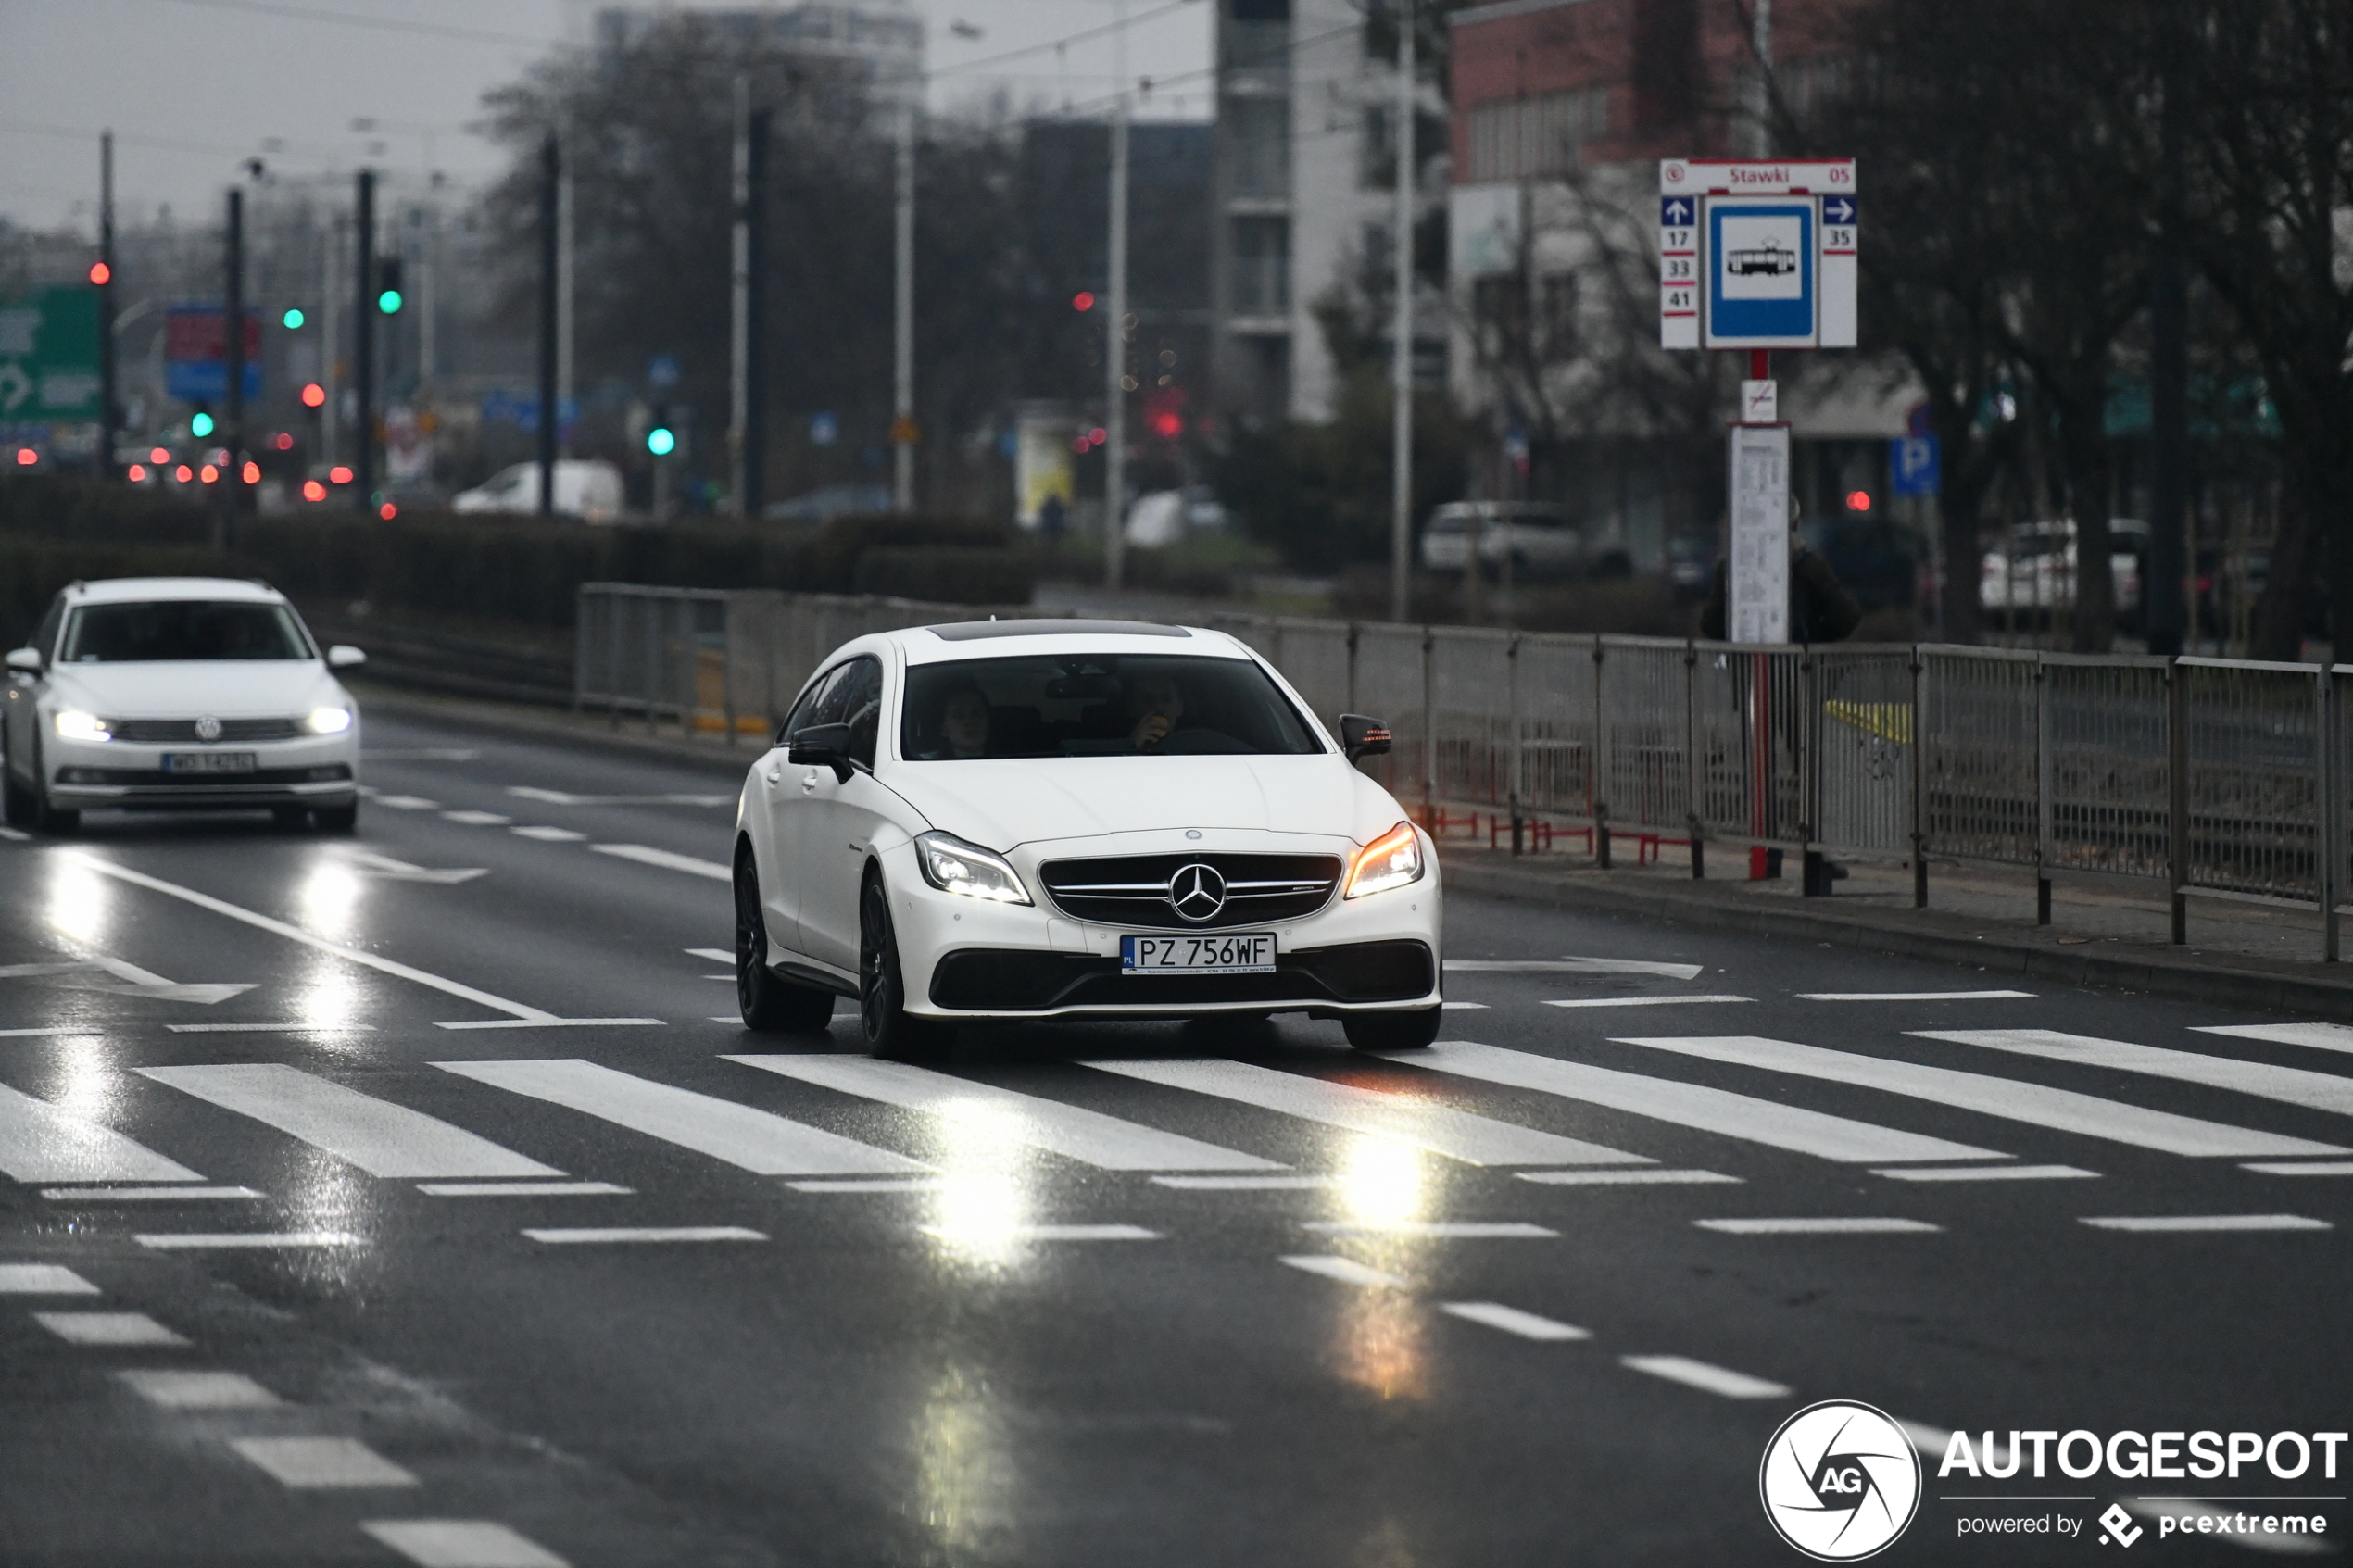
(380, 24)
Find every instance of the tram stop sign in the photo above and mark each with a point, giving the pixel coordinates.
(1758, 255)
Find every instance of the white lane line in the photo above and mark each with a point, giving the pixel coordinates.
(1041, 1233)
(984, 1111)
(2010, 1098)
(200, 1390)
(878, 1184)
(405, 802)
(1986, 1172)
(1463, 1007)
(1574, 966)
(1511, 1319)
(476, 819)
(1348, 1270)
(1706, 1378)
(43, 1279)
(1626, 1178)
(296, 934)
(741, 1135)
(1696, 1106)
(422, 754)
(1459, 1135)
(598, 1235)
(322, 1463)
(2320, 1036)
(460, 1543)
(145, 1195)
(716, 955)
(2167, 1222)
(1913, 995)
(525, 1189)
(270, 1028)
(49, 1032)
(549, 835)
(1252, 1184)
(15, 835)
(380, 1138)
(646, 855)
(1638, 1002)
(225, 1241)
(549, 1023)
(2289, 1086)
(40, 1142)
(2315, 1168)
(1437, 1229)
(106, 1328)
(1819, 1224)
(563, 797)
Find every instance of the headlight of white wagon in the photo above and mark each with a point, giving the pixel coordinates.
(1391, 860)
(328, 720)
(73, 724)
(953, 866)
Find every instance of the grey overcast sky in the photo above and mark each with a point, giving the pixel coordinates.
(191, 88)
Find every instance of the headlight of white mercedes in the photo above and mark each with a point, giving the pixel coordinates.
(73, 724)
(328, 720)
(1391, 860)
(953, 866)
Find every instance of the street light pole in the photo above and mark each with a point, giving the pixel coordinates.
(1115, 328)
(109, 398)
(902, 424)
(363, 345)
(1401, 362)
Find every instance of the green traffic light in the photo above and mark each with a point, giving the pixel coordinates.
(389, 301)
(660, 443)
(293, 320)
(200, 424)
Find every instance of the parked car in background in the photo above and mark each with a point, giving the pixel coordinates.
(1537, 537)
(2032, 574)
(584, 488)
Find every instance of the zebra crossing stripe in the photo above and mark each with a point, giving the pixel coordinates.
(737, 1134)
(2320, 1036)
(2289, 1086)
(39, 1142)
(1088, 1136)
(380, 1138)
(1696, 1106)
(2010, 1098)
(1459, 1135)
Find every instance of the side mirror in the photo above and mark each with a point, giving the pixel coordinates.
(1361, 736)
(24, 661)
(823, 745)
(343, 656)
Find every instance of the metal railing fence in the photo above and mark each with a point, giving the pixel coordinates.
(2199, 777)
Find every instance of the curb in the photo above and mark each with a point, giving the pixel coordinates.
(1914, 934)
(519, 722)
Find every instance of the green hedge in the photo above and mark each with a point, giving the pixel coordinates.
(490, 569)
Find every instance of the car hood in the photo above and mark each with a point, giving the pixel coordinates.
(224, 689)
(1001, 805)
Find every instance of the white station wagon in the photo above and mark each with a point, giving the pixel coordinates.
(1075, 819)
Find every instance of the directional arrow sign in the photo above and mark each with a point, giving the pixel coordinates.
(1838, 210)
(1677, 212)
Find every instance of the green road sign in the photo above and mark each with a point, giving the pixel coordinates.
(49, 357)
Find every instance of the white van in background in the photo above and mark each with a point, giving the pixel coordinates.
(1536, 537)
(584, 488)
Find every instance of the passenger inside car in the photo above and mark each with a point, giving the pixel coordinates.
(1155, 702)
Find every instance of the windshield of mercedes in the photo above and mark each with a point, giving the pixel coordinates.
(1098, 705)
(156, 630)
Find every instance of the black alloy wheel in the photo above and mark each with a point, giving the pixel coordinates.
(889, 1029)
(767, 1003)
(1391, 1030)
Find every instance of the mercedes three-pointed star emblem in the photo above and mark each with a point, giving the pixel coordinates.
(1197, 892)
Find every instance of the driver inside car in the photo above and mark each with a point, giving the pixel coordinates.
(963, 725)
(1155, 703)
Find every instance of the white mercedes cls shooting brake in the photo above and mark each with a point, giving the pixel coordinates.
(159, 694)
(1075, 819)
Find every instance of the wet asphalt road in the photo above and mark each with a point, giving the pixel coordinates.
(228, 1082)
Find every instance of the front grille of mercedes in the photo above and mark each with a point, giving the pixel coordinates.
(1132, 890)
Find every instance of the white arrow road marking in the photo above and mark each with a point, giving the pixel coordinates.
(563, 797)
(134, 981)
(646, 856)
(390, 870)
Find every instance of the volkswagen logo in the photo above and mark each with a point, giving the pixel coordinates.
(207, 728)
(1197, 893)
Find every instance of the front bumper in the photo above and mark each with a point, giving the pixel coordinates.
(95, 775)
(1036, 985)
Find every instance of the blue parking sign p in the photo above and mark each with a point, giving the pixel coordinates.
(1914, 464)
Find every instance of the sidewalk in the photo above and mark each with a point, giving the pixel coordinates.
(2238, 955)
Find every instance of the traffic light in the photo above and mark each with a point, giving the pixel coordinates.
(200, 424)
(388, 285)
(293, 320)
(662, 436)
(101, 274)
(314, 396)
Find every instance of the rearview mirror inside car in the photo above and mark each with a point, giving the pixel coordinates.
(1363, 737)
(25, 661)
(823, 745)
(343, 656)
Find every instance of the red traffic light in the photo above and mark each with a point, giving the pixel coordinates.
(313, 491)
(250, 473)
(313, 396)
(100, 273)
(338, 475)
(138, 473)
(159, 457)
(387, 511)
(182, 473)
(209, 473)
(1858, 500)
(27, 456)
(283, 442)
(1082, 300)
